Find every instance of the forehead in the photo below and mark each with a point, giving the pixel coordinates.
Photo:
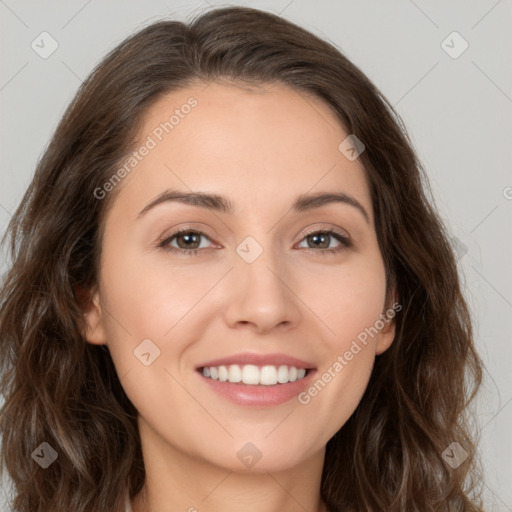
(267, 142)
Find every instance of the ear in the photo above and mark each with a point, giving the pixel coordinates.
(93, 315)
(387, 333)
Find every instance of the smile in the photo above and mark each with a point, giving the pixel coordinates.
(254, 375)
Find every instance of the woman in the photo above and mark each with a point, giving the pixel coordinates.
(175, 335)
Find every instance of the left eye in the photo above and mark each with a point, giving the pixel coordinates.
(191, 238)
(319, 238)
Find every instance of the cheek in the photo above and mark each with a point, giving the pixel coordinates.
(347, 363)
(148, 300)
(351, 300)
(154, 303)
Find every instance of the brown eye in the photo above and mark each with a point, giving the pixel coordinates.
(322, 239)
(187, 240)
(190, 240)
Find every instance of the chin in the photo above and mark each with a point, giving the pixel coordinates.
(259, 457)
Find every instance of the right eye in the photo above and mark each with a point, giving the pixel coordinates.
(190, 237)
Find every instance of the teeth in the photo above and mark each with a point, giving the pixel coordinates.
(253, 375)
(250, 374)
(284, 375)
(223, 373)
(234, 373)
(268, 375)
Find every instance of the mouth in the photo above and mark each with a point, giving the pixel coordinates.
(257, 380)
(253, 375)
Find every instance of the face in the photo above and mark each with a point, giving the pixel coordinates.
(272, 283)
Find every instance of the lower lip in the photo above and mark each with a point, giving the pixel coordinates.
(259, 396)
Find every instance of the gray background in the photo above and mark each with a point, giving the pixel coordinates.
(457, 111)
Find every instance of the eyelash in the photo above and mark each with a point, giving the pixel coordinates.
(345, 242)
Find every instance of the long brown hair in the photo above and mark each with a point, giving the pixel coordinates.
(61, 390)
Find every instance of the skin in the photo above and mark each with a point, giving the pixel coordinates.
(292, 299)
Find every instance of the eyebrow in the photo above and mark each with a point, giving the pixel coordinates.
(222, 204)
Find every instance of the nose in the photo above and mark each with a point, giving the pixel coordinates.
(262, 293)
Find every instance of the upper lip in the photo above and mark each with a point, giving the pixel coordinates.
(258, 360)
